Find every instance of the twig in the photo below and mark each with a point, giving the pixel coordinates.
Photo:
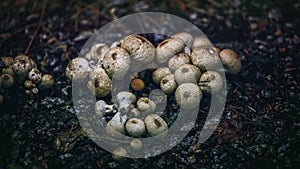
(39, 25)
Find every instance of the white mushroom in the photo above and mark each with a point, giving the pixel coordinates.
(140, 49)
(210, 81)
(185, 37)
(22, 65)
(99, 82)
(159, 73)
(168, 48)
(230, 61)
(187, 73)
(116, 63)
(176, 61)
(97, 52)
(119, 154)
(35, 76)
(188, 96)
(168, 84)
(136, 144)
(77, 69)
(155, 125)
(123, 100)
(145, 105)
(206, 58)
(135, 127)
(116, 126)
(201, 41)
(103, 109)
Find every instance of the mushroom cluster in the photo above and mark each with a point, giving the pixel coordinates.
(190, 70)
(22, 70)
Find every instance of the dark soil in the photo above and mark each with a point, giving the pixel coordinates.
(260, 123)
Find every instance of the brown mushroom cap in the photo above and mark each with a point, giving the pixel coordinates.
(99, 83)
(168, 48)
(206, 58)
(230, 61)
(210, 81)
(187, 73)
(140, 49)
(116, 62)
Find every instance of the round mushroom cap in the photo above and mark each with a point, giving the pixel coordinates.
(116, 126)
(145, 105)
(188, 96)
(185, 37)
(136, 144)
(99, 82)
(137, 84)
(168, 84)
(201, 41)
(22, 65)
(7, 60)
(176, 61)
(116, 63)
(7, 80)
(119, 154)
(168, 48)
(206, 58)
(140, 49)
(159, 73)
(47, 81)
(135, 127)
(97, 52)
(230, 61)
(155, 125)
(187, 73)
(211, 81)
(35, 76)
(77, 69)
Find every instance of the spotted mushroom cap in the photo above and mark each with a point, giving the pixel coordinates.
(168, 48)
(206, 58)
(77, 69)
(185, 37)
(168, 84)
(155, 125)
(187, 73)
(188, 96)
(99, 82)
(201, 41)
(47, 81)
(116, 62)
(210, 81)
(176, 61)
(135, 127)
(159, 73)
(230, 61)
(140, 49)
(35, 76)
(22, 65)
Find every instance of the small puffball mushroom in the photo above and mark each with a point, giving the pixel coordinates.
(140, 49)
(22, 65)
(99, 83)
(119, 154)
(136, 144)
(35, 76)
(230, 61)
(201, 41)
(206, 58)
(159, 73)
(168, 84)
(35, 90)
(210, 81)
(8, 70)
(176, 61)
(102, 108)
(155, 125)
(136, 112)
(188, 96)
(1, 98)
(7, 80)
(47, 81)
(137, 84)
(185, 37)
(77, 69)
(145, 105)
(116, 126)
(135, 127)
(97, 52)
(28, 84)
(187, 73)
(116, 62)
(7, 60)
(123, 100)
(168, 48)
